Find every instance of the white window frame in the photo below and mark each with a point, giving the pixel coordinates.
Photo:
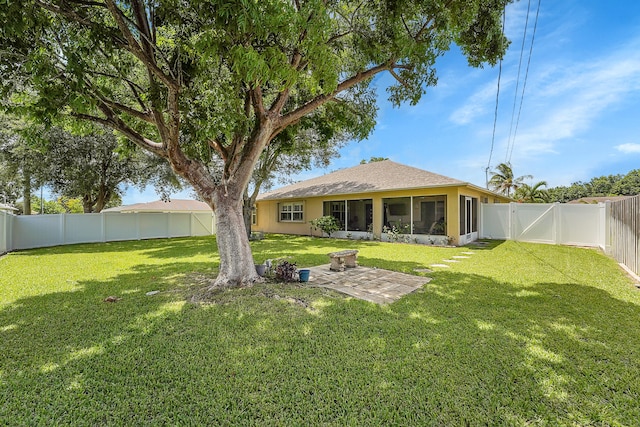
(291, 212)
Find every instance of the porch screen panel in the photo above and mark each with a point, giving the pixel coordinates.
(474, 217)
(336, 209)
(397, 213)
(463, 224)
(360, 214)
(429, 215)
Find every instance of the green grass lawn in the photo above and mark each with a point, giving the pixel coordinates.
(518, 334)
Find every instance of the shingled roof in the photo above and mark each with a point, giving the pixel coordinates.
(370, 177)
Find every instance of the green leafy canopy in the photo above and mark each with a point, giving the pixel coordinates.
(97, 60)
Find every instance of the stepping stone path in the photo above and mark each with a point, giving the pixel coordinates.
(454, 259)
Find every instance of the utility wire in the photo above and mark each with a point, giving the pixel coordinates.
(524, 84)
(495, 114)
(515, 95)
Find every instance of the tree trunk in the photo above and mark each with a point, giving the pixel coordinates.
(236, 260)
(26, 193)
(102, 200)
(246, 213)
(87, 203)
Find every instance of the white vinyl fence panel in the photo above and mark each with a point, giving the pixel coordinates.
(6, 222)
(36, 231)
(564, 224)
(495, 221)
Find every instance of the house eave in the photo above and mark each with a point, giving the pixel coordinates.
(346, 195)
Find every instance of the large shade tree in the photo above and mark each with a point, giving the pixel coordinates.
(208, 85)
(95, 167)
(22, 163)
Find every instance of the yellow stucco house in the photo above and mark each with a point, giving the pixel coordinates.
(370, 199)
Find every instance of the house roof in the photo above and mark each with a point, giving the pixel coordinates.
(370, 177)
(4, 207)
(174, 205)
(594, 200)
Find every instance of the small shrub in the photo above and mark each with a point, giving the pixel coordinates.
(327, 224)
(286, 271)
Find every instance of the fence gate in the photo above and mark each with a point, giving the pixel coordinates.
(564, 224)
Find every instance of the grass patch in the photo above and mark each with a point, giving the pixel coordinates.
(517, 334)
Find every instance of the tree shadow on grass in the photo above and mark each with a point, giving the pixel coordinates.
(465, 349)
(551, 353)
(177, 247)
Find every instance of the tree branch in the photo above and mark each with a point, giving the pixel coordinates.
(135, 48)
(117, 124)
(283, 96)
(146, 117)
(74, 17)
(219, 148)
(305, 109)
(399, 79)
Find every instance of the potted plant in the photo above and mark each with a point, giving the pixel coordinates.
(261, 269)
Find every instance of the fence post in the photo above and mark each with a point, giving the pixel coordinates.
(556, 228)
(62, 228)
(4, 244)
(605, 221)
(103, 227)
(512, 225)
(10, 224)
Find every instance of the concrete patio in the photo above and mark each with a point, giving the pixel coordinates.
(370, 284)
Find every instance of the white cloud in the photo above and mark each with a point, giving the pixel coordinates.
(476, 105)
(628, 148)
(564, 104)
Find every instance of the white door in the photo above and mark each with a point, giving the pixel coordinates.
(468, 219)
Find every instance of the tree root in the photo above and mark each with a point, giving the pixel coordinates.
(222, 284)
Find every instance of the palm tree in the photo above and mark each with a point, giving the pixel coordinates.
(502, 179)
(532, 193)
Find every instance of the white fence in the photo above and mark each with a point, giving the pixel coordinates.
(624, 232)
(36, 231)
(564, 224)
(5, 232)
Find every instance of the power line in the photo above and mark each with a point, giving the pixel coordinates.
(524, 84)
(495, 114)
(515, 94)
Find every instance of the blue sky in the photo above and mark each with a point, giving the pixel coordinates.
(580, 115)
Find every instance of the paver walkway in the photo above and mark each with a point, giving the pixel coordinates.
(370, 284)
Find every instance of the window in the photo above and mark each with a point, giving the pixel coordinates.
(292, 212)
(254, 216)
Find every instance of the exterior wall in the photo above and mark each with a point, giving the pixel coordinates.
(268, 215)
(482, 198)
